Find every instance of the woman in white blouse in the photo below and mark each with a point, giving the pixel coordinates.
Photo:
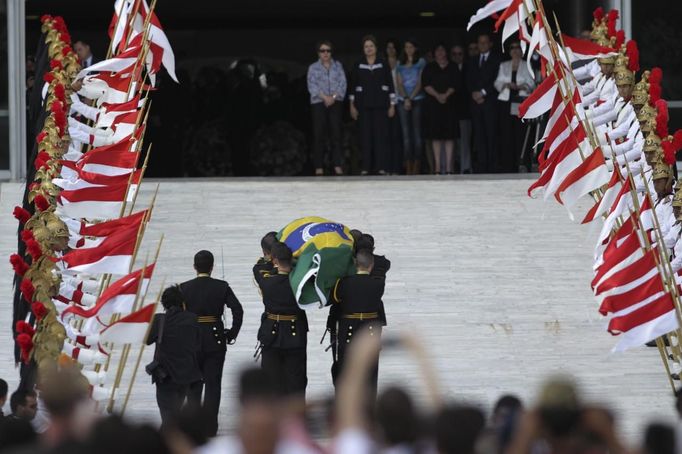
(514, 83)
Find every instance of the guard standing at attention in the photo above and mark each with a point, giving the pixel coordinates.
(359, 299)
(283, 331)
(207, 298)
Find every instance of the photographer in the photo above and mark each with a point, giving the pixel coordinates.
(175, 369)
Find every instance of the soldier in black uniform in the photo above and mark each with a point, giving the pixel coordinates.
(207, 298)
(379, 270)
(359, 300)
(283, 330)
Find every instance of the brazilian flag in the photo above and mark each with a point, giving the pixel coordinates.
(323, 253)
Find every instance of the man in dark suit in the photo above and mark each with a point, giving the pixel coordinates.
(177, 338)
(283, 331)
(481, 76)
(359, 300)
(207, 298)
(462, 99)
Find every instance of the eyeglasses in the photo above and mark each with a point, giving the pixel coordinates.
(325, 51)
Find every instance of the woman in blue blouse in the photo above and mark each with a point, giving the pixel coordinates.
(410, 96)
(327, 88)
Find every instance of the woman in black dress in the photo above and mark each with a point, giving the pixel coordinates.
(440, 79)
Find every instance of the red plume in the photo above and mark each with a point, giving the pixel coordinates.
(60, 93)
(620, 39)
(66, 51)
(611, 22)
(45, 17)
(23, 327)
(654, 92)
(48, 77)
(677, 139)
(633, 55)
(39, 310)
(20, 267)
(668, 152)
(56, 64)
(41, 136)
(656, 75)
(41, 202)
(598, 14)
(662, 118)
(25, 343)
(34, 249)
(27, 289)
(26, 235)
(21, 214)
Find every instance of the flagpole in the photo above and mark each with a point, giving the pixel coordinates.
(126, 348)
(132, 174)
(662, 259)
(144, 343)
(139, 184)
(661, 264)
(111, 41)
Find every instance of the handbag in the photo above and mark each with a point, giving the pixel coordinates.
(155, 368)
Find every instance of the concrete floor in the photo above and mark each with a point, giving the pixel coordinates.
(496, 283)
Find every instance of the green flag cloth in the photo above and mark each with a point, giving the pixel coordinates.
(323, 253)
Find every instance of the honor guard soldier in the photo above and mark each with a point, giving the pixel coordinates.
(283, 331)
(359, 300)
(380, 268)
(264, 264)
(207, 298)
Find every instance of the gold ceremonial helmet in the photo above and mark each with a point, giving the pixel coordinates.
(605, 41)
(640, 94)
(652, 155)
(661, 170)
(645, 114)
(677, 198)
(621, 72)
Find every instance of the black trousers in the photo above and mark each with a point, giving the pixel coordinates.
(375, 139)
(287, 369)
(211, 365)
(512, 132)
(484, 122)
(171, 396)
(327, 127)
(395, 153)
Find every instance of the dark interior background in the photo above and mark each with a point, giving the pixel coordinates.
(219, 121)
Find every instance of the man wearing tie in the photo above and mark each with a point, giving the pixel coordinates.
(84, 53)
(481, 76)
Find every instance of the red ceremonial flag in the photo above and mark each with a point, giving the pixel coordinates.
(642, 315)
(620, 302)
(627, 275)
(591, 174)
(561, 130)
(114, 255)
(599, 208)
(487, 11)
(541, 100)
(614, 256)
(110, 227)
(563, 161)
(97, 202)
(583, 49)
(118, 298)
(131, 329)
